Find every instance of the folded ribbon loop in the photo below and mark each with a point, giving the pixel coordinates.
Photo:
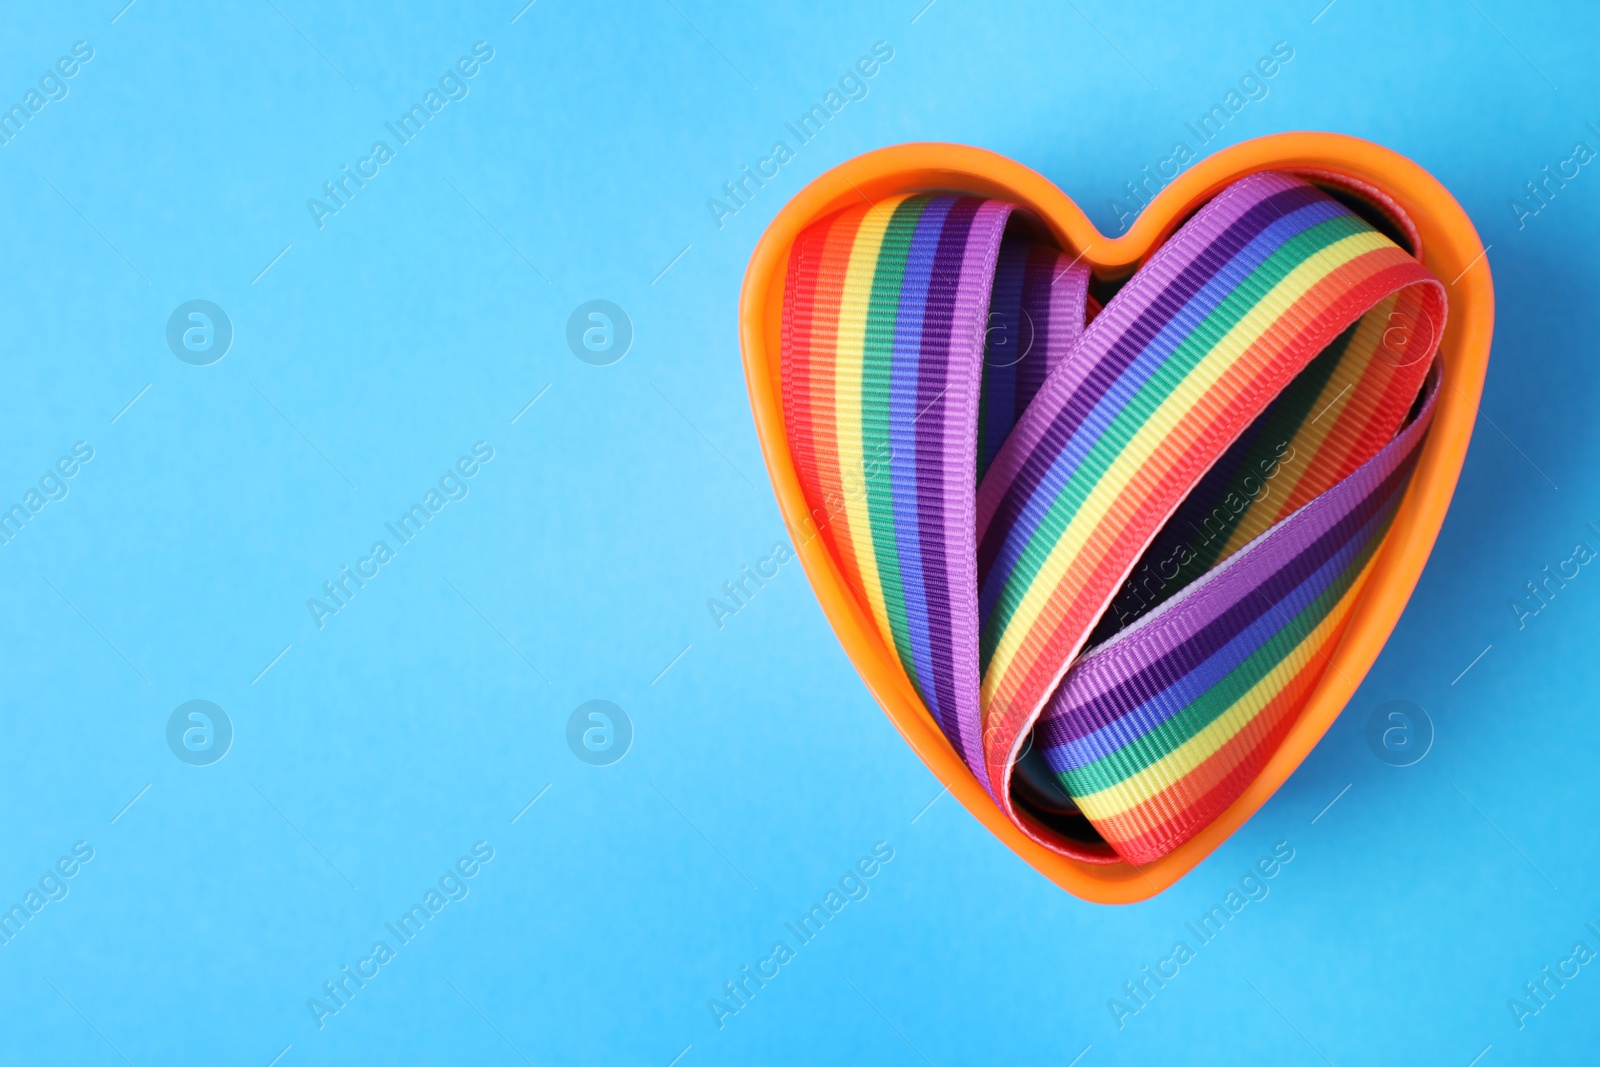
(1190, 483)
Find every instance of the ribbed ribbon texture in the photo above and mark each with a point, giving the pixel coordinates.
(1113, 549)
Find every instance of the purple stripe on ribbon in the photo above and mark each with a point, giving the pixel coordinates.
(1054, 295)
(1003, 353)
(946, 452)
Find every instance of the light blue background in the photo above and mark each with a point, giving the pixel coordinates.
(432, 309)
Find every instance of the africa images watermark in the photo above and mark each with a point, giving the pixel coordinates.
(738, 992)
(453, 885)
(452, 86)
(1137, 594)
(1252, 87)
(852, 85)
(1537, 194)
(1138, 993)
(1541, 592)
(53, 886)
(52, 487)
(52, 87)
(738, 592)
(1537, 993)
(453, 485)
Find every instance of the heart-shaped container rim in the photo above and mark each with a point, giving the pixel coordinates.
(1451, 249)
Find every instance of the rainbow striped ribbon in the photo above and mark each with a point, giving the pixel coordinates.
(1189, 485)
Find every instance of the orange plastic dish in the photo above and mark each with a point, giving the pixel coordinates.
(1450, 248)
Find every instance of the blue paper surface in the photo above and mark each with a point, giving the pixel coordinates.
(243, 345)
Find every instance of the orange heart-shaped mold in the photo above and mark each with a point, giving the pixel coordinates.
(1449, 246)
